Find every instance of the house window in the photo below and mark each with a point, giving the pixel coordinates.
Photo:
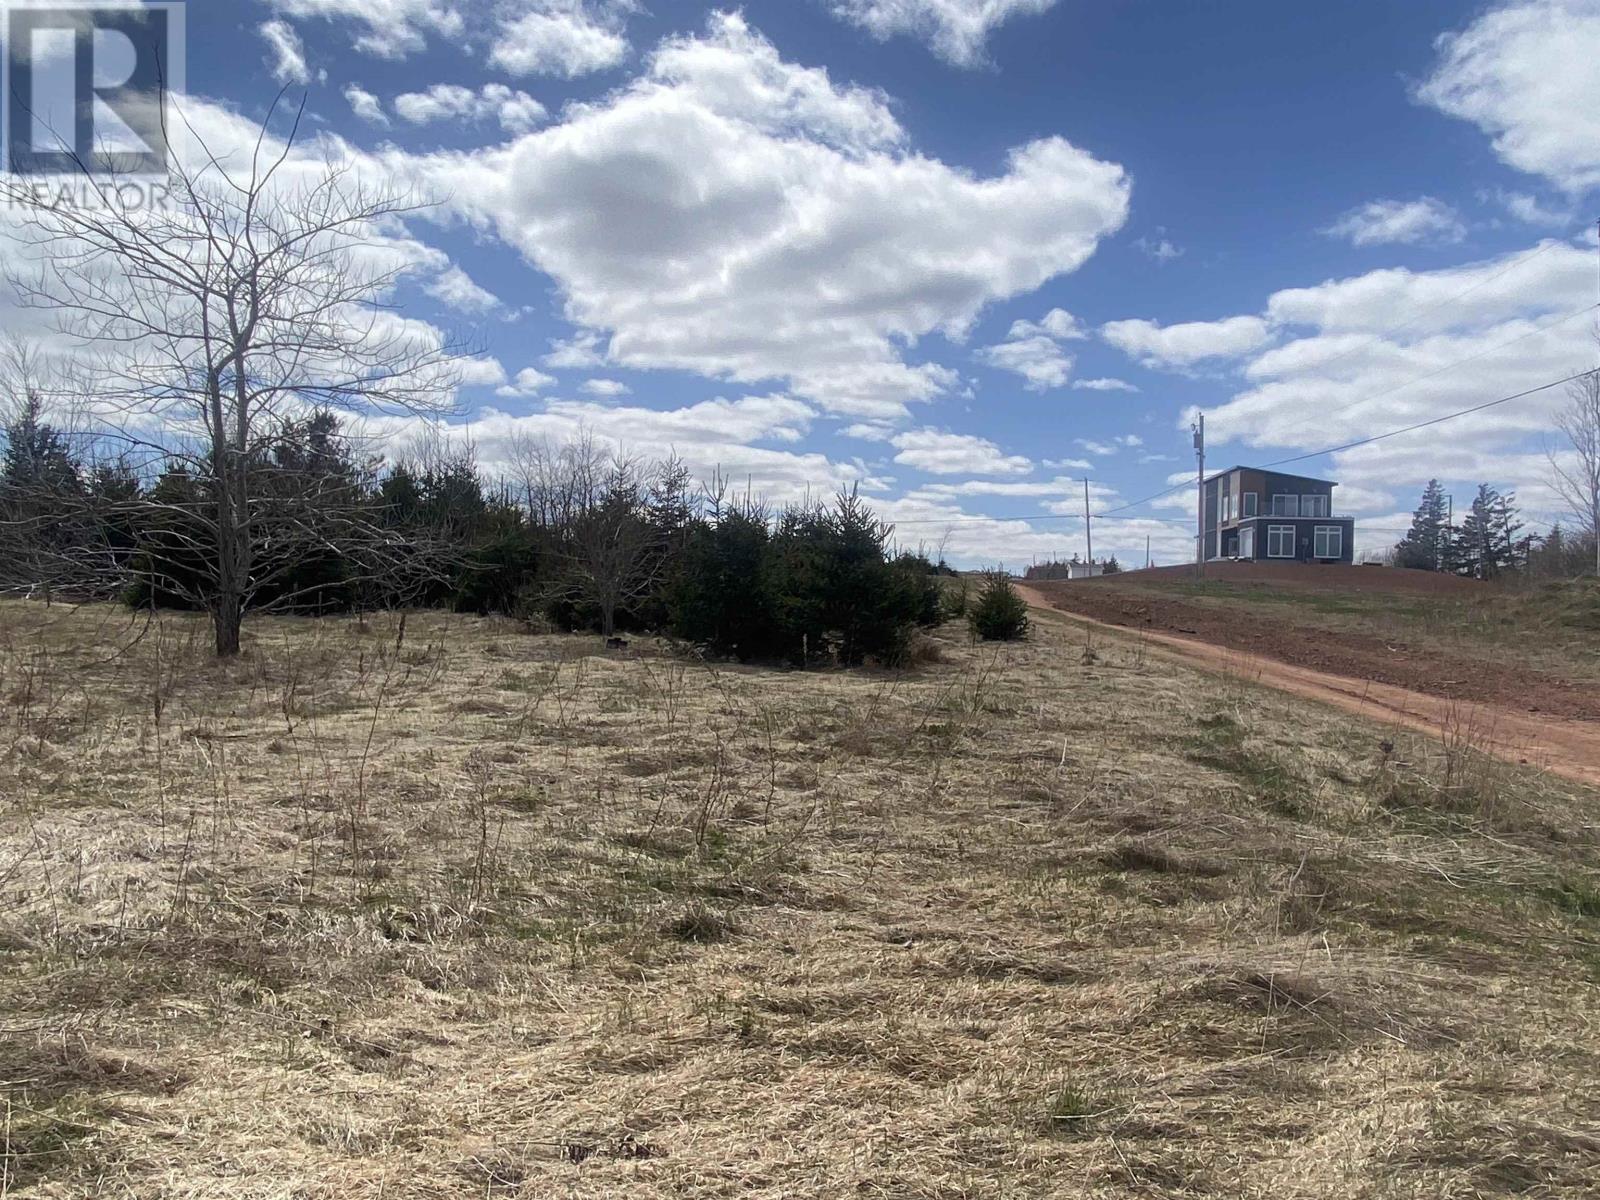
(1247, 540)
(1280, 541)
(1286, 506)
(1314, 506)
(1249, 499)
(1328, 542)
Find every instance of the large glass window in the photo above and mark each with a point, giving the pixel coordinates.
(1328, 542)
(1315, 506)
(1286, 506)
(1280, 541)
(1249, 499)
(1247, 540)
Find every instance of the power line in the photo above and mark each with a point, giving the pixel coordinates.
(1562, 320)
(1476, 408)
(1377, 437)
(1521, 260)
(1460, 362)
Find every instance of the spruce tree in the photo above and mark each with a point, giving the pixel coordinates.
(1485, 545)
(1426, 546)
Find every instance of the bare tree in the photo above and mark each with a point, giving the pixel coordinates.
(611, 555)
(224, 321)
(557, 483)
(1575, 470)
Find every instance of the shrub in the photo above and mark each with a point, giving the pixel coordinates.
(1000, 614)
(957, 598)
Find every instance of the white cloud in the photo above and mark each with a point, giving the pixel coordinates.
(288, 60)
(1057, 323)
(941, 453)
(971, 540)
(384, 28)
(1126, 441)
(517, 112)
(1069, 491)
(956, 30)
(1560, 277)
(1183, 345)
(741, 217)
(1037, 359)
(455, 289)
(1104, 385)
(1389, 349)
(606, 387)
(482, 372)
(1380, 222)
(529, 382)
(567, 38)
(383, 252)
(365, 105)
(867, 432)
(1530, 210)
(1031, 350)
(1159, 248)
(579, 352)
(712, 434)
(1525, 74)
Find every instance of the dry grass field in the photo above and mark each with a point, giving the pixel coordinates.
(473, 912)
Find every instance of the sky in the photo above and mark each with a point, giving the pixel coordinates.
(967, 254)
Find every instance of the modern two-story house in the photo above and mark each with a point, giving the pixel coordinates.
(1266, 516)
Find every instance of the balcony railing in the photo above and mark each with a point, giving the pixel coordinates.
(1264, 516)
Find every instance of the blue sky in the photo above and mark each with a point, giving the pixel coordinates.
(969, 252)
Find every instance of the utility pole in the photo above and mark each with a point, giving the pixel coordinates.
(1446, 535)
(1147, 552)
(1088, 534)
(1200, 478)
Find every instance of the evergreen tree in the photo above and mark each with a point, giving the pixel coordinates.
(722, 593)
(1000, 614)
(1427, 545)
(1485, 545)
(46, 530)
(38, 461)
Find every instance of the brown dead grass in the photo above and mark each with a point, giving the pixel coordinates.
(489, 914)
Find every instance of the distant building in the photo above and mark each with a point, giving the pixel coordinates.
(1073, 569)
(1259, 515)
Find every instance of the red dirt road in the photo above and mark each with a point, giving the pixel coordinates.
(1561, 744)
(1379, 656)
(1323, 577)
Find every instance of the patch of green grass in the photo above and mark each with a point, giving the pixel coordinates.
(1070, 1110)
(1576, 896)
(44, 1142)
(1220, 744)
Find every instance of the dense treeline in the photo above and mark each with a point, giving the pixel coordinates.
(1489, 540)
(573, 535)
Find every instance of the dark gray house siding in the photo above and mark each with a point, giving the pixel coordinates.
(1269, 516)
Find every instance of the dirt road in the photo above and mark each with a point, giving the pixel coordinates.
(1563, 746)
